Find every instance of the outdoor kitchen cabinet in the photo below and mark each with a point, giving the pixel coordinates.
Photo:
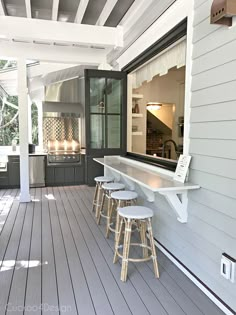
(13, 171)
(72, 174)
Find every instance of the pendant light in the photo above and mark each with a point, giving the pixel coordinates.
(153, 105)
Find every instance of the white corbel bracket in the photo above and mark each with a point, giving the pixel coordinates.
(128, 182)
(148, 193)
(178, 201)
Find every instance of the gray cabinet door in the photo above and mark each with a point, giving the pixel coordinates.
(59, 175)
(14, 171)
(69, 175)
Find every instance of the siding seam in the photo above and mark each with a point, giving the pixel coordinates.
(212, 50)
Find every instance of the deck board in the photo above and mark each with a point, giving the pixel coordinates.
(54, 259)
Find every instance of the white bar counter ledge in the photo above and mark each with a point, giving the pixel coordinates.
(151, 180)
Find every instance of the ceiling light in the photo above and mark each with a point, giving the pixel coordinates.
(153, 105)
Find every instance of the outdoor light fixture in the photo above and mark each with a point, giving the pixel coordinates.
(153, 105)
(222, 12)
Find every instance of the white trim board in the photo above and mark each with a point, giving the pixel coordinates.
(194, 280)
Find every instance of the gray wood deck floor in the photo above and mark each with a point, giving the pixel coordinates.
(54, 259)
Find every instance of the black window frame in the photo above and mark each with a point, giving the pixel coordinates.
(176, 33)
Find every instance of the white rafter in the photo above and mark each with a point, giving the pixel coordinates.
(28, 9)
(109, 6)
(24, 29)
(2, 8)
(81, 10)
(55, 7)
(134, 13)
(51, 53)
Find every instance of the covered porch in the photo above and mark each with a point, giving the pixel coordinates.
(55, 260)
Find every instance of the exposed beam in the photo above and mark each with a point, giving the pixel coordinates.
(109, 6)
(28, 9)
(2, 8)
(49, 31)
(134, 13)
(55, 7)
(51, 53)
(81, 10)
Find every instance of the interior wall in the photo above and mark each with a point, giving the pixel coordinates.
(166, 89)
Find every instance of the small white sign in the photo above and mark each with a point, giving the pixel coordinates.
(182, 168)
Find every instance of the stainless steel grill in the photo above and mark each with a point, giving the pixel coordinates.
(60, 127)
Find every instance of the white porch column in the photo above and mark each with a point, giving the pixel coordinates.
(40, 123)
(23, 130)
(29, 119)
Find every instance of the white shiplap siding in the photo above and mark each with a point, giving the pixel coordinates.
(212, 209)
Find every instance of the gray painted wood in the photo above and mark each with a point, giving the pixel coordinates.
(9, 258)
(211, 77)
(80, 286)
(214, 112)
(214, 165)
(75, 262)
(16, 298)
(33, 290)
(223, 204)
(190, 307)
(215, 148)
(212, 146)
(223, 54)
(208, 44)
(64, 284)
(49, 279)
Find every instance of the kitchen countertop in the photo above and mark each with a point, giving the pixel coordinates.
(30, 154)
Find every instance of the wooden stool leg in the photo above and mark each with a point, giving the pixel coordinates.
(125, 257)
(109, 213)
(117, 223)
(95, 199)
(118, 237)
(99, 209)
(154, 256)
(143, 238)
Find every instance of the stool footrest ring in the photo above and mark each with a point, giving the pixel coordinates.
(136, 259)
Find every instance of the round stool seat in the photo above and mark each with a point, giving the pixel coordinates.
(103, 179)
(113, 186)
(124, 195)
(135, 212)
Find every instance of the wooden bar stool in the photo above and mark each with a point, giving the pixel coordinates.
(128, 216)
(108, 188)
(120, 199)
(98, 189)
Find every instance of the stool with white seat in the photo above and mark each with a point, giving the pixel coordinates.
(108, 188)
(129, 215)
(120, 199)
(100, 180)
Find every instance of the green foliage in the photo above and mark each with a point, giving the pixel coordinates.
(11, 131)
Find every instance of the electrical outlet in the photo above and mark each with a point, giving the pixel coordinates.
(228, 267)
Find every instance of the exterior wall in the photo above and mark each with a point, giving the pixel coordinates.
(212, 146)
(210, 117)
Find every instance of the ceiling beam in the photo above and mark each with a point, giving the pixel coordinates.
(81, 10)
(28, 9)
(55, 8)
(69, 33)
(134, 13)
(109, 6)
(2, 8)
(51, 53)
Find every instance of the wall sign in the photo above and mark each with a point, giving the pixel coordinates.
(182, 168)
